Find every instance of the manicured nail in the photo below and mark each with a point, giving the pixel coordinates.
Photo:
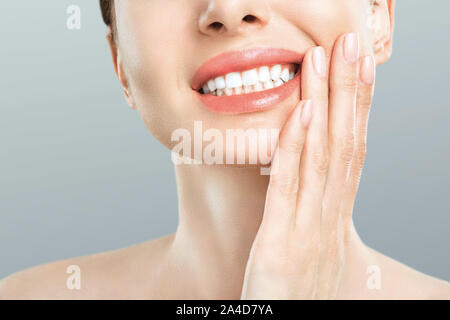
(367, 73)
(351, 47)
(319, 61)
(307, 113)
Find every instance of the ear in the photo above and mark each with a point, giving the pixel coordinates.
(118, 68)
(381, 23)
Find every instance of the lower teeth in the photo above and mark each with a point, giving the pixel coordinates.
(249, 89)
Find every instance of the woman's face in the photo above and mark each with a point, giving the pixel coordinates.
(162, 45)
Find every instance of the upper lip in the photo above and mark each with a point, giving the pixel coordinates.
(237, 61)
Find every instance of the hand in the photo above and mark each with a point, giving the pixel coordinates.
(299, 249)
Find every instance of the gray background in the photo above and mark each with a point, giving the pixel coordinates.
(80, 173)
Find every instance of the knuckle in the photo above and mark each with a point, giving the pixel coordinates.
(345, 147)
(360, 153)
(320, 160)
(293, 147)
(286, 185)
(354, 181)
(365, 100)
(349, 83)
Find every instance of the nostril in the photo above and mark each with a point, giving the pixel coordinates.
(250, 18)
(216, 26)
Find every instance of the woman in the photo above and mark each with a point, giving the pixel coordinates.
(210, 67)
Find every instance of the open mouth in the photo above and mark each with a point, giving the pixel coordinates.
(255, 80)
(248, 80)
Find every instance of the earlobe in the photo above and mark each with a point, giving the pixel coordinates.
(381, 23)
(118, 68)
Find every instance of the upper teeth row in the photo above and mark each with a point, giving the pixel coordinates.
(259, 77)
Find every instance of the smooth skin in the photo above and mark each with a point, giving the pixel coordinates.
(292, 236)
(304, 220)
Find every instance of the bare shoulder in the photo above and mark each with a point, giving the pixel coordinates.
(117, 274)
(404, 282)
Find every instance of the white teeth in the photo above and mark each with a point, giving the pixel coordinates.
(254, 80)
(233, 80)
(220, 83)
(259, 87)
(285, 75)
(250, 78)
(278, 83)
(275, 72)
(264, 74)
(268, 85)
(212, 85)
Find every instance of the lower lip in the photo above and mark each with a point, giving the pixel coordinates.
(251, 102)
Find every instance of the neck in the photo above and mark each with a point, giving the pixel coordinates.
(220, 210)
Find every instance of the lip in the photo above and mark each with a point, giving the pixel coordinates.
(238, 61)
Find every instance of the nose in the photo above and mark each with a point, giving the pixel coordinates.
(233, 17)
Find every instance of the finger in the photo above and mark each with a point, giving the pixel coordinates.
(314, 162)
(342, 114)
(363, 106)
(283, 186)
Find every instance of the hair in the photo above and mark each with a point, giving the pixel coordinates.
(107, 8)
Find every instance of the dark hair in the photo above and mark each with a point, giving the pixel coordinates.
(107, 8)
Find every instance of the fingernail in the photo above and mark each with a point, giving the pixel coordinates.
(307, 113)
(368, 70)
(351, 47)
(319, 61)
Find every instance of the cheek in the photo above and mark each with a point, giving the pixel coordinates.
(324, 20)
(150, 52)
(153, 58)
